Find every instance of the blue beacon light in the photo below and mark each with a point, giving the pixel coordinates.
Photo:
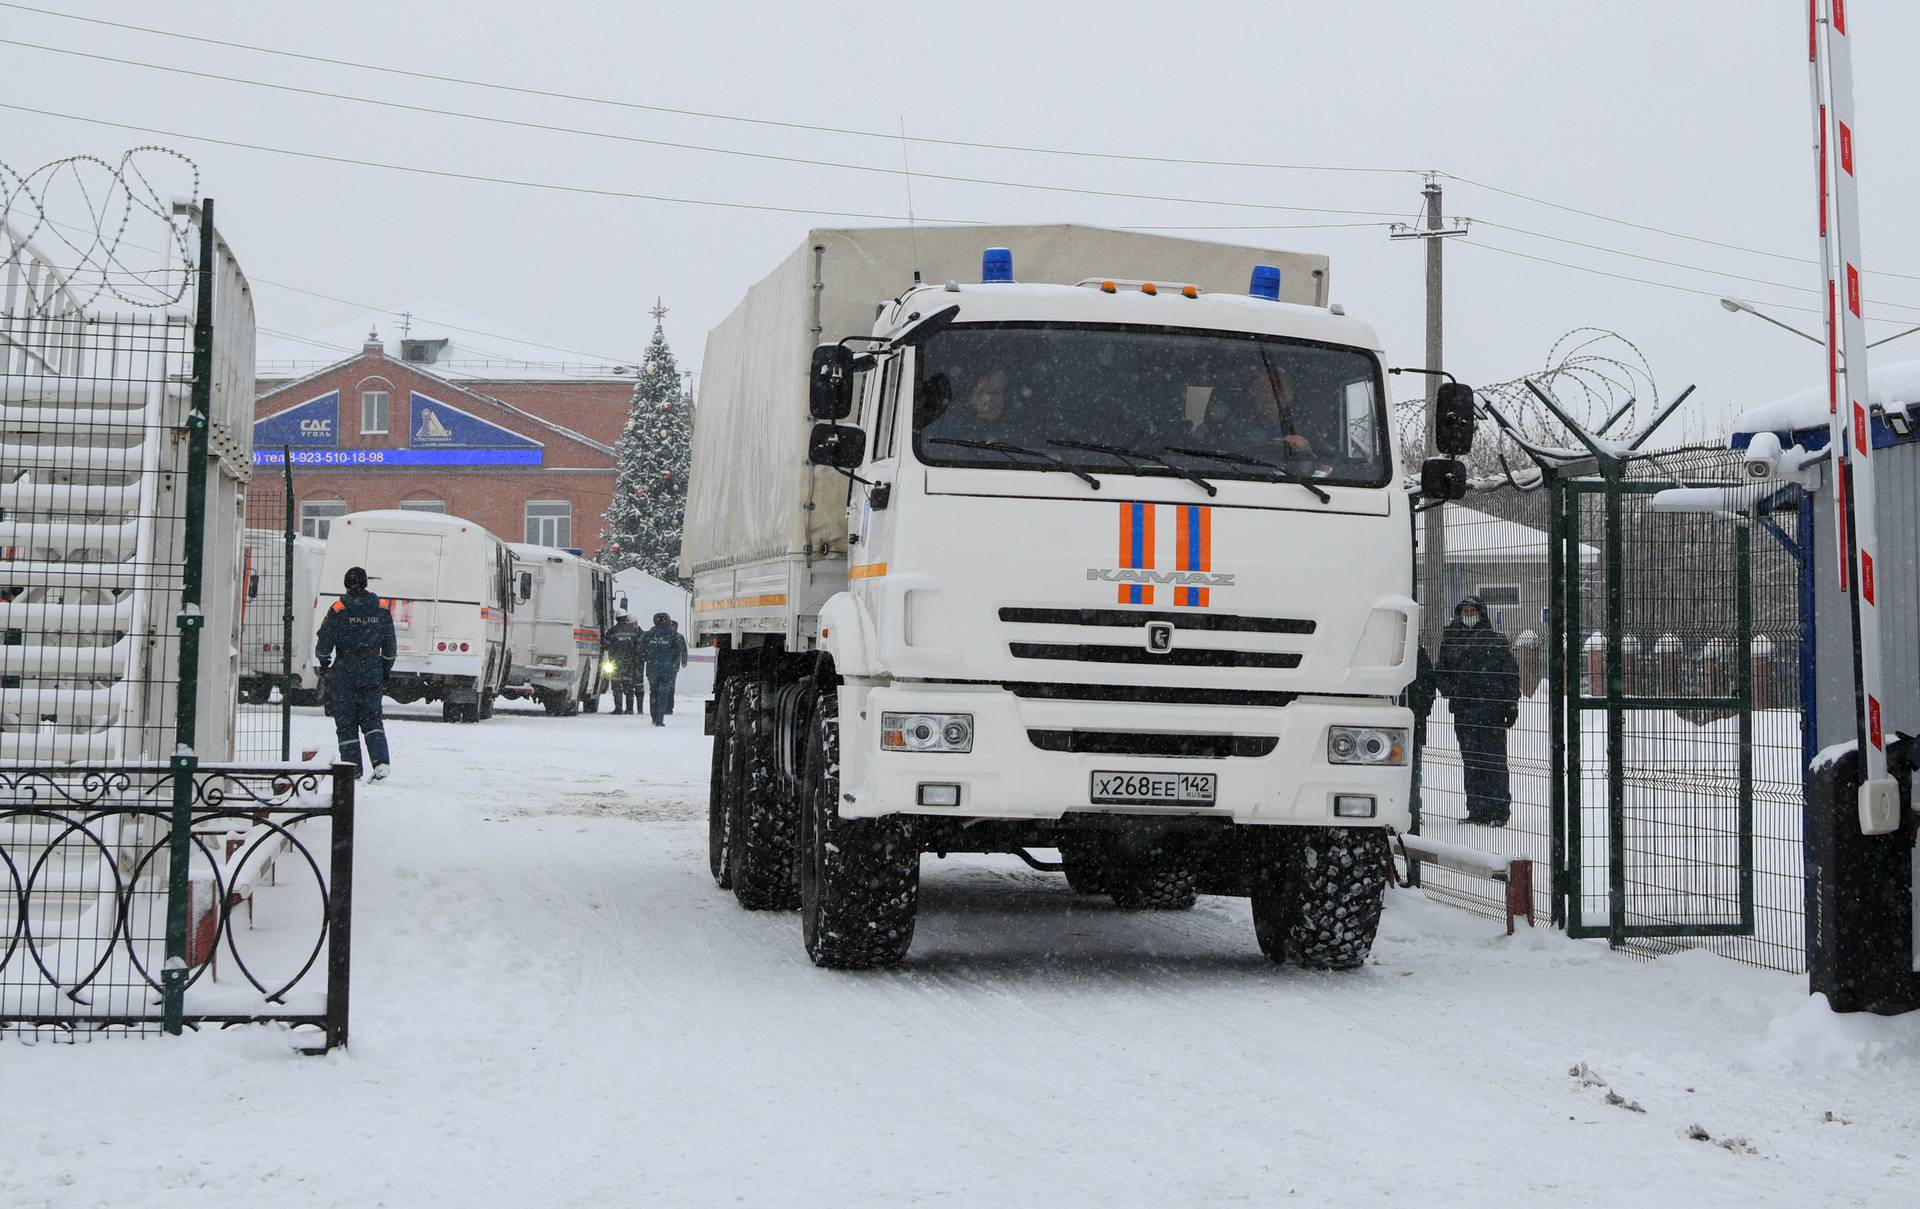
(996, 264)
(1265, 283)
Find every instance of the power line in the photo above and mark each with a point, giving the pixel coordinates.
(524, 90)
(889, 135)
(1665, 285)
(707, 149)
(1663, 260)
(446, 174)
(368, 306)
(1671, 234)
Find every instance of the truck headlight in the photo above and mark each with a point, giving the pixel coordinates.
(607, 667)
(926, 732)
(1366, 745)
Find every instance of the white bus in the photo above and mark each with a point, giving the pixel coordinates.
(446, 580)
(263, 641)
(563, 604)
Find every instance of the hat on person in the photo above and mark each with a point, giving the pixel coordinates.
(356, 579)
(661, 619)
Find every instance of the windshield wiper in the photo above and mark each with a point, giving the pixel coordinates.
(1144, 459)
(1280, 473)
(1004, 447)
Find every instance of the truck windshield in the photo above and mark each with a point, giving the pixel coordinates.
(1172, 393)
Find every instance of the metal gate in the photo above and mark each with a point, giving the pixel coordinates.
(1652, 730)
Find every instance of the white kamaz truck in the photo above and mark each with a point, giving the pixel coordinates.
(1019, 539)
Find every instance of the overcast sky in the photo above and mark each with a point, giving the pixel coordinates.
(1689, 117)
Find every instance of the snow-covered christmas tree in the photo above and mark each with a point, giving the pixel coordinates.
(650, 493)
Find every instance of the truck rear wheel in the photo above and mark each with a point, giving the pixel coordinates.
(719, 805)
(1317, 902)
(764, 818)
(859, 878)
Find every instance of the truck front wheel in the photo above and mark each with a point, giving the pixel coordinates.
(1160, 879)
(1318, 898)
(859, 878)
(764, 816)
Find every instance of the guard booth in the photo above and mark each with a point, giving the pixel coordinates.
(1863, 931)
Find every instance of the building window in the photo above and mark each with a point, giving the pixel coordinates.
(317, 516)
(550, 522)
(1498, 594)
(373, 412)
(423, 503)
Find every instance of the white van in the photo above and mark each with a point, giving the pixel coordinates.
(563, 604)
(263, 641)
(446, 580)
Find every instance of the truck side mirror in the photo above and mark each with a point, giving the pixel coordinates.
(1453, 419)
(1443, 479)
(840, 446)
(526, 585)
(830, 384)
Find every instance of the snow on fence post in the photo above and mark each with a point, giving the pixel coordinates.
(1526, 652)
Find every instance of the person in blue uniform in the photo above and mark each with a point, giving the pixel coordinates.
(356, 650)
(664, 653)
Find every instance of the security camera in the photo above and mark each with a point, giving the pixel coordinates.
(1763, 456)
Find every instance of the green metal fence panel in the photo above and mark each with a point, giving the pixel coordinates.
(1654, 764)
(271, 683)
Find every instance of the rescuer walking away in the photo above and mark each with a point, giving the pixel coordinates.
(1478, 675)
(355, 648)
(623, 651)
(665, 653)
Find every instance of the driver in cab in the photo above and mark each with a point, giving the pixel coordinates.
(1249, 413)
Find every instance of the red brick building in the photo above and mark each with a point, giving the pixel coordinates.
(525, 448)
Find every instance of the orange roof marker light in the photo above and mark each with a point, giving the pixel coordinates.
(1107, 287)
(1187, 291)
(1147, 287)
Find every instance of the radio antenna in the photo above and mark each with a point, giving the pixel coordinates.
(913, 233)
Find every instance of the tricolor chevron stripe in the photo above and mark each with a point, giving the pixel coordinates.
(1193, 551)
(1136, 549)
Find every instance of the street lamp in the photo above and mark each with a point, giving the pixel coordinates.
(1736, 306)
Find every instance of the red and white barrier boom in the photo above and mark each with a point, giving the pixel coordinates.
(1856, 531)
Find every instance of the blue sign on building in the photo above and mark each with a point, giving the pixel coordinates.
(438, 434)
(437, 425)
(313, 423)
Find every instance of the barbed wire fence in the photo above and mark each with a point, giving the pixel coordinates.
(107, 257)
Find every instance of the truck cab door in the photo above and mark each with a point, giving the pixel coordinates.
(870, 513)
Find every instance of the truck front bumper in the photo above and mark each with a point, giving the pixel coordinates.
(1008, 775)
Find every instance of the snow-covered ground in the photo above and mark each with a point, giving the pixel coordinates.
(553, 1005)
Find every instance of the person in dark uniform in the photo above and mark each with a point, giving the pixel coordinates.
(683, 657)
(1477, 673)
(623, 648)
(355, 648)
(665, 652)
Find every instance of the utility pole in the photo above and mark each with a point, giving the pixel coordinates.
(1433, 542)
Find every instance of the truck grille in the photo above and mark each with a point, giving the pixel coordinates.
(1133, 619)
(1144, 743)
(1087, 652)
(1152, 694)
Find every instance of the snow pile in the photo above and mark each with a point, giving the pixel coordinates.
(1812, 1036)
(1890, 386)
(553, 1005)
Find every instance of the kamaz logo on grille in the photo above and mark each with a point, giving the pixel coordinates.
(1129, 575)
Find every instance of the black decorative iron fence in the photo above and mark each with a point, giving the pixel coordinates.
(85, 858)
